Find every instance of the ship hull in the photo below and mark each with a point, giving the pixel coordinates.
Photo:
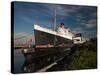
(43, 38)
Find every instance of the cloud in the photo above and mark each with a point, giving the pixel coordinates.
(22, 38)
(80, 18)
(78, 30)
(87, 21)
(61, 10)
(94, 14)
(88, 24)
(85, 33)
(91, 23)
(26, 19)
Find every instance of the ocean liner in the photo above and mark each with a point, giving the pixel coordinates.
(45, 37)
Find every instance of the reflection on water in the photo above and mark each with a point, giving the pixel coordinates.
(28, 65)
(18, 61)
(32, 62)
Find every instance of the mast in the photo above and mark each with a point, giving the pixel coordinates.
(55, 19)
(55, 25)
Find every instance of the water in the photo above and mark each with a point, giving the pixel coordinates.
(32, 62)
(18, 61)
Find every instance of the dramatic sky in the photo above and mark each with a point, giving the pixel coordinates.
(81, 19)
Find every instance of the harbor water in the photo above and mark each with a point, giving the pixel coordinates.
(36, 61)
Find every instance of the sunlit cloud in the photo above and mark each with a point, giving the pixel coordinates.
(22, 38)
